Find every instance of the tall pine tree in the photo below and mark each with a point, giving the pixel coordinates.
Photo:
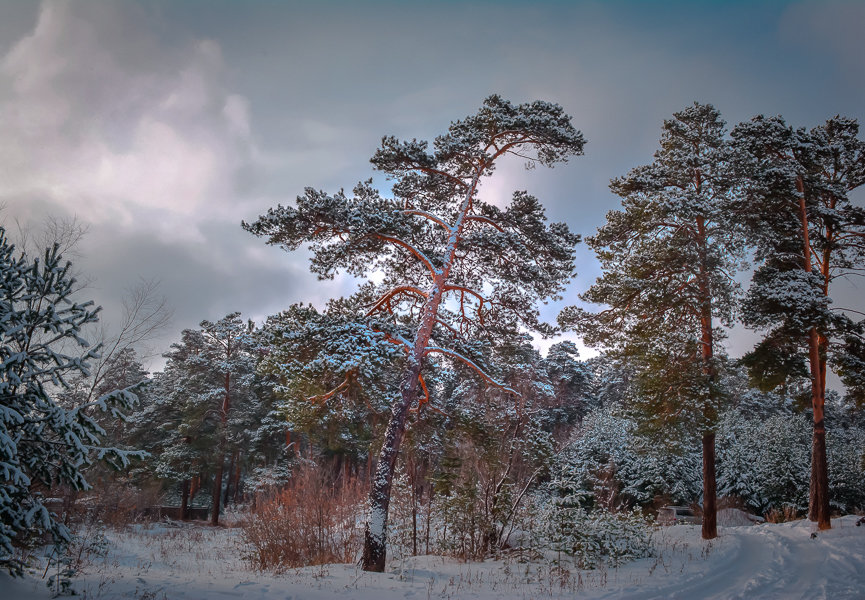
(807, 234)
(453, 263)
(211, 382)
(668, 258)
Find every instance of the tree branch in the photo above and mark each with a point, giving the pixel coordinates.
(350, 376)
(486, 220)
(427, 215)
(461, 288)
(385, 299)
(471, 364)
(418, 254)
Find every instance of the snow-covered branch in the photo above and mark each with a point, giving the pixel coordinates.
(487, 220)
(386, 298)
(460, 288)
(427, 215)
(472, 365)
(418, 254)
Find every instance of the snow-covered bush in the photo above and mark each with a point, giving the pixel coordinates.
(784, 467)
(764, 460)
(612, 465)
(594, 536)
(846, 449)
(42, 443)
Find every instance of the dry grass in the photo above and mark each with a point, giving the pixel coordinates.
(314, 520)
(782, 515)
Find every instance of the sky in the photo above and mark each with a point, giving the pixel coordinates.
(161, 125)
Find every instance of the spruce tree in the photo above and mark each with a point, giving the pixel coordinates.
(453, 263)
(44, 443)
(668, 259)
(807, 234)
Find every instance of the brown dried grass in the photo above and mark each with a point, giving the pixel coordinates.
(316, 519)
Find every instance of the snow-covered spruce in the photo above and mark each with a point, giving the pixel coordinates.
(43, 443)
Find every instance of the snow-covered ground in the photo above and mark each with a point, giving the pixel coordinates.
(760, 561)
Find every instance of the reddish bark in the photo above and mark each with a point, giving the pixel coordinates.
(818, 505)
(374, 548)
(710, 505)
(184, 501)
(220, 465)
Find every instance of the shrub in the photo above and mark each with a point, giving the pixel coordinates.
(594, 537)
(316, 519)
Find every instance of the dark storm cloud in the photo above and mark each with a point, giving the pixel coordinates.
(218, 273)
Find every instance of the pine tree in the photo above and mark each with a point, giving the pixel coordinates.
(332, 377)
(807, 234)
(668, 258)
(43, 443)
(212, 406)
(441, 248)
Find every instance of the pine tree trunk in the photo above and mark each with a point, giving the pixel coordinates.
(375, 536)
(223, 442)
(184, 501)
(710, 506)
(710, 500)
(217, 489)
(374, 546)
(818, 501)
(194, 485)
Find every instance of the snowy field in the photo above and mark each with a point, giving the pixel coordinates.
(762, 561)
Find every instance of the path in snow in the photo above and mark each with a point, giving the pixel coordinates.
(762, 561)
(768, 561)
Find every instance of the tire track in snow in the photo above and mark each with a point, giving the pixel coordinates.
(777, 562)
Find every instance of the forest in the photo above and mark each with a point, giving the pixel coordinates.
(417, 415)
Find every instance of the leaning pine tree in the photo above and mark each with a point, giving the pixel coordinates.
(668, 259)
(807, 233)
(453, 264)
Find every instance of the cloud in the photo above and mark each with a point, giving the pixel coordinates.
(107, 116)
(105, 119)
(164, 125)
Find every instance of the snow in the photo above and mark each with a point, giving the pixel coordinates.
(734, 517)
(760, 561)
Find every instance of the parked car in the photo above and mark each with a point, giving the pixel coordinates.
(677, 515)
